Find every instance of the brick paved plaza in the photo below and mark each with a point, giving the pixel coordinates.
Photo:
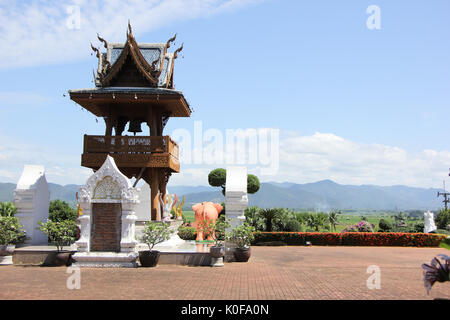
(272, 273)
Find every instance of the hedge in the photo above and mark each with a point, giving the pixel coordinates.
(353, 238)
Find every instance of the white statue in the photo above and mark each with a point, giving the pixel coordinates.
(166, 206)
(429, 222)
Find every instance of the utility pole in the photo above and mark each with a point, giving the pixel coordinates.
(445, 195)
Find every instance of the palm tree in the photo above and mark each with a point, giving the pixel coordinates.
(315, 221)
(333, 219)
(269, 215)
(253, 218)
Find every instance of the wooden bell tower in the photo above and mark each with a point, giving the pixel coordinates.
(134, 85)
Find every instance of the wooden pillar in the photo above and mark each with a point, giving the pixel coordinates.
(154, 191)
(162, 183)
(109, 126)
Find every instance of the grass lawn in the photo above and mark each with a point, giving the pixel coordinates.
(189, 215)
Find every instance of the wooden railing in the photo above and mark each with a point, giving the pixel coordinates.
(130, 145)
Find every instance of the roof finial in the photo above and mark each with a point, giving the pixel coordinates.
(130, 31)
(175, 54)
(96, 51)
(105, 44)
(171, 40)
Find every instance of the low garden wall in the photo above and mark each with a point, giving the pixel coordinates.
(353, 238)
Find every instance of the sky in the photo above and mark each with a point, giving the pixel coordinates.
(349, 103)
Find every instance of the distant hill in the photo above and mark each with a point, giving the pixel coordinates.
(321, 195)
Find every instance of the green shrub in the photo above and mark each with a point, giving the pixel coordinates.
(353, 238)
(7, 209)
(253, 218)
(443, 219)
(154, 233)
(59, 233)
(11, 232)
(419, 227)
(187, 233)
(242, 235)
(252, 184)
(60, 211)
(293, 226)
(385, 225)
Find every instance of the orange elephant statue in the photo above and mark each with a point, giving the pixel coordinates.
(205, 212)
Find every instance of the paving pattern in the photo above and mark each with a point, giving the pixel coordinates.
(281, 273)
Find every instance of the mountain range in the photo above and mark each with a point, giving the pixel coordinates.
(322, 195)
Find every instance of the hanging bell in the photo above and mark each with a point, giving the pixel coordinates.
(135, 126)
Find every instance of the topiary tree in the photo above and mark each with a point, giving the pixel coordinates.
(60, 210)
(218, 177)
(253, 184)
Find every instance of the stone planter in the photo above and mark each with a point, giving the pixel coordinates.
(7, 249)
(149, 258)
(217, 251)
(242, 254)
(58, 259)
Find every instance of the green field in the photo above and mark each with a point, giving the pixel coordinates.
(344, 219)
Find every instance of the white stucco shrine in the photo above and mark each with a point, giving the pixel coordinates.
(108, 202)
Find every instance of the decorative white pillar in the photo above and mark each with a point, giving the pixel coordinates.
(32, 199)
(130, 199)
(236, 199)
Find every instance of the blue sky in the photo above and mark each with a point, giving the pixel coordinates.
(373, 103)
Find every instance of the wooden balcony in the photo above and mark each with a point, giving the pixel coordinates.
(131, 152)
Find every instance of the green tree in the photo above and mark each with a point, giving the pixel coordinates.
(218, 177)
(316, 221)
(253, 218)
(60, 233)
(60, 210)
(385, 225)
(7, 209)
(269, 215)
(11, 232)
(443, 219)
(333, 219)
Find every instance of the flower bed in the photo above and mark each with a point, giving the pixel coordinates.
(353, 238)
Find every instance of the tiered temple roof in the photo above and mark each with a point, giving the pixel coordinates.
(131, 71)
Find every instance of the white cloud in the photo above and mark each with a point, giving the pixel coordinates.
(60, 167)
(327, 156)
(38, 33)
(322, 156)
(302, 159)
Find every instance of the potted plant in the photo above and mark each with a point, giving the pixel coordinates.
(217, 230)
(60, 233)
(242, 236)
(152, 234)
(11, 233)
